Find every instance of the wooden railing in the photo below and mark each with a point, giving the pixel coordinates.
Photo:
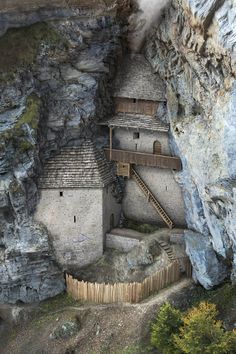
(143, 159)
(125, 292)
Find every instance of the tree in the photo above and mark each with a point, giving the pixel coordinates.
(202, 333)
(166, 326)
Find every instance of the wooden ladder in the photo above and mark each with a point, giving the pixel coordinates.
(151, 198)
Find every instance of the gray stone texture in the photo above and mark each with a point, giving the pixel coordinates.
(193, 48)
(70, 99)
(78, 222)
(120, 242)
(161, 182)
(208, 268)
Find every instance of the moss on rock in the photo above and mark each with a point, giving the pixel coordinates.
(20, 47)
(19, 133)
(31, 113)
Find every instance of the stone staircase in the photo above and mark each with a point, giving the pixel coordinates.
(151, 198)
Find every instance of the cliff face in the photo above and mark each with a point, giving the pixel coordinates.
(54, 84)
(194, 50)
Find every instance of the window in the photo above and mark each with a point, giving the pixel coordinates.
(61, 194)
(136, 135)
(134, 100)
(74, 219)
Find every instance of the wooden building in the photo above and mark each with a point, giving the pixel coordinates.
(139, 144)
(137, 89)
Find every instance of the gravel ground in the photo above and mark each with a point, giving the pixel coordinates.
(112, 329)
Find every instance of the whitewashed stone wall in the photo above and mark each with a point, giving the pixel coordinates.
(160, 181)
(77, 222)
(110, 206)
(123, 138)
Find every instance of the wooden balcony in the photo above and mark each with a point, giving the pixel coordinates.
(143, 159)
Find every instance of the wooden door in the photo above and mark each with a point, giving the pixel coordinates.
(157, 148)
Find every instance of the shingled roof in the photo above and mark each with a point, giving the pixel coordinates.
(81, 167)
(136, 121)
(135, 79)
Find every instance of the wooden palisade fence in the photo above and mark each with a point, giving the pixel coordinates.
(125, 292)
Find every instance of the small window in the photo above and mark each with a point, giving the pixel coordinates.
(136, 135)
(74, 219)
(61, 194)
(134, 100)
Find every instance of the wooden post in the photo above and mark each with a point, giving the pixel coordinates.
(111, 143)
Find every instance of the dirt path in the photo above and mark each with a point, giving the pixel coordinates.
(104, 329)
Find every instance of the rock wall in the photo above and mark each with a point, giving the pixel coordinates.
(194, 50)
(55, 80)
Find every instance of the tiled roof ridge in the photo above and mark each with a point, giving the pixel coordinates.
(136, 121)
(83, 166)
(136, 79)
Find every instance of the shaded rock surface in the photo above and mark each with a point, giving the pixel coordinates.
(50, 97)
(194, 50)
(208, 268)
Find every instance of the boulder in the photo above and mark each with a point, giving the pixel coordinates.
(209, 270)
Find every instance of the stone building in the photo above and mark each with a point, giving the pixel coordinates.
(139, 143)
(78, 204)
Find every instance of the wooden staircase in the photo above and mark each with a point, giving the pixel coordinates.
(151, 198)
(168, 250)
(170, 254)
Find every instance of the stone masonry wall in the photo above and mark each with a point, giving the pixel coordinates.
(160, 181)
(76, 242)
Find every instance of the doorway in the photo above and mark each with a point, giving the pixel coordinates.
(112, 221)
(157, 148)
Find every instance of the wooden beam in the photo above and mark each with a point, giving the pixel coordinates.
(143, 159)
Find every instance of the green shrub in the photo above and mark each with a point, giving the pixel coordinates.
(140, 227)
(202, 333)
(197, 331)
(166, 326)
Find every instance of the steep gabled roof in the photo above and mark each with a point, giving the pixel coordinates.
(78, 167)
(135, 79)
(136, 121)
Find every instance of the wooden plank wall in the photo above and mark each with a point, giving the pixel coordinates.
(139, 158)
(124, 292)
(129, 105)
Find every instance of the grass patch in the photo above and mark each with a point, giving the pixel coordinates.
(48, 309)
(57, 303)
(140, 227)
(224, 297)
(20, 47)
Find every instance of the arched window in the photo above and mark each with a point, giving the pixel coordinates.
(157, 148)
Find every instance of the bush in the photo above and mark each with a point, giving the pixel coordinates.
(166, 326)
(202, 333)
(198, 331)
